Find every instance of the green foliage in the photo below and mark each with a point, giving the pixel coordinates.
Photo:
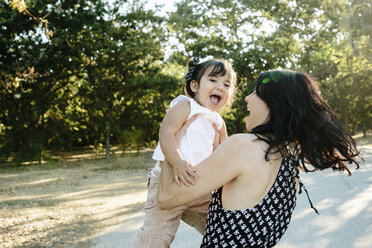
(100, 66)
(132, 139)
(121, 64)
(329, 39)
(341, 60)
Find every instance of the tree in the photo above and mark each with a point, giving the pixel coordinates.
(300, 35)
(341, 60)
(66, 91)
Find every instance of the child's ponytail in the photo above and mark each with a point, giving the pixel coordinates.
(193, 64)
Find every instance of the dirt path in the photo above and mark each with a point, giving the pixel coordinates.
(98, 204)
(66, 204)
(345, 220)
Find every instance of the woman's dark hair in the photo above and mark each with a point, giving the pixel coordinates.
(301, 119)
(196, 71)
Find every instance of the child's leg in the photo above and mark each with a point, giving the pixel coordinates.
(197, 212)
(159, 226)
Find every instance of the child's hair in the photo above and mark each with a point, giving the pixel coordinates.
(196, 71)
(300, 117)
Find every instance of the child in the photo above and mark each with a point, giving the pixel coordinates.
(209, 86)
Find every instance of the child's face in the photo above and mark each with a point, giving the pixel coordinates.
(213, 92)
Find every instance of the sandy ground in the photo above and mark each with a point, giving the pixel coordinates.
(66, 204)
(345, 220)
(98, 204)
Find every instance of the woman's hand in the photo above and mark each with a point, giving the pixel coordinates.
(217, 136)
(183, 129)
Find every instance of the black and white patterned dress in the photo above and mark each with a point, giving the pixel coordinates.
(260, 226)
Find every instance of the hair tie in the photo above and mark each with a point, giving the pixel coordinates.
(192, 65)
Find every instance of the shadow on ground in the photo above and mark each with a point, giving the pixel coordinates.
(345, 220)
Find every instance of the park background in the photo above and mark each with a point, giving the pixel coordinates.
(79, 73)
(84, 86)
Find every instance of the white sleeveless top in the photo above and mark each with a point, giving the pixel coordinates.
(197, 143)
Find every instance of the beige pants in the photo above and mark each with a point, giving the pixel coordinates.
(160, 226)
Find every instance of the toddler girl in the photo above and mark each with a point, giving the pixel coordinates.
(209, 86)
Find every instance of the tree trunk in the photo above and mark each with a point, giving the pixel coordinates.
(364, 130)
(107, 140)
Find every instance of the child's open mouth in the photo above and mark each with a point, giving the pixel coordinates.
(215, 99)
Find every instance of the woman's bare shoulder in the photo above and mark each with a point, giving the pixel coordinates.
(245, 146)
(244, 139)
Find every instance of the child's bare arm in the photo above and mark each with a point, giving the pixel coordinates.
(172, 122)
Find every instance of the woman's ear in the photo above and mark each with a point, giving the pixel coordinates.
(194, 86)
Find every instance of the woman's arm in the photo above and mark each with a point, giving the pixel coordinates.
(222, 166)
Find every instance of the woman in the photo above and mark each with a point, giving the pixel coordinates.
(255, 174)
